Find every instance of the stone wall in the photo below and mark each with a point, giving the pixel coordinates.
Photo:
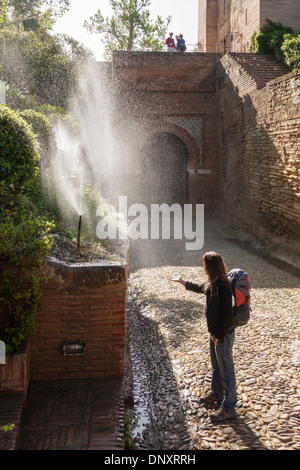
(81, 303)
(259, 148)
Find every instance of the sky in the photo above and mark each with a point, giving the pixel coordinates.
(184, 20)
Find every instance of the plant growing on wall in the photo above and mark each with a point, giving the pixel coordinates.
(24, 234)
(291, 50)
(278, 40)
(269, 38)
(130, 28)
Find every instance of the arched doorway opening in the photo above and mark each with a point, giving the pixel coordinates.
(163, 170)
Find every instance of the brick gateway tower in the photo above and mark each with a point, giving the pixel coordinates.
(166, 113)
(206, 128)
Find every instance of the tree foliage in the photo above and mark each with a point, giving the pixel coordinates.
(41, 64)
(129, 28)
(19, 153)
(44, 132)
(291, 50)
(3, 11)
(46, 11)
(277, 40)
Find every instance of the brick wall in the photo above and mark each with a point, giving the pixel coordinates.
(86, 303)
(15, 373)
(168, 92)
(259, 150)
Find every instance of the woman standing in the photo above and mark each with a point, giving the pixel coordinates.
(219, 315)
(180, 46)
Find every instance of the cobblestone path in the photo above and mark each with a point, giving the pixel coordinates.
(170, 362)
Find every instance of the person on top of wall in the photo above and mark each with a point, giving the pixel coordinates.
(170, 43)
(219, 315)
(180, 46)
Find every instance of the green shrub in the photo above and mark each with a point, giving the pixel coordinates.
(291, 50)
(25, 238)
(19, 101)
(44, 133)
(269, 38)
(25, 242)
(19, 151)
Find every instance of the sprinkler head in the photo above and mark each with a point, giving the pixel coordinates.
(78, 233)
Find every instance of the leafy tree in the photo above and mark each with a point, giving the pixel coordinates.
(42, 64)
(46, 11)
(129, 28)
(291, 50)
(3, 11)
(269, 38)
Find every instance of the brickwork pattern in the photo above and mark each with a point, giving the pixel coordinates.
(86, 304)
(79, 414)
(259, 148)
(162, 92)
(14, 374)
(11, 406)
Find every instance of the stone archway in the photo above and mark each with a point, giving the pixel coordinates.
(163, 170)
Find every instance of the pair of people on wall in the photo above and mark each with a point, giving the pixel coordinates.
(179, 46)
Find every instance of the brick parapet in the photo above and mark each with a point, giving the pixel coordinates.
(81, 303)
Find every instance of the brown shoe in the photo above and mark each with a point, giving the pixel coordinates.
(222, 415)
(210, 399)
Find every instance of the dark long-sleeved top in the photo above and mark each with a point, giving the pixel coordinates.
(219, 309)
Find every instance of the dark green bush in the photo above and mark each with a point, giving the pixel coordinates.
(24, 234)
(19, 151)
(24, 244)
(291, 50)
(43, 131)
(269, 38)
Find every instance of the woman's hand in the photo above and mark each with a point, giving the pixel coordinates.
(215, 340)
(177, 279)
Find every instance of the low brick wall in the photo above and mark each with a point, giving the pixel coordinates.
(15, 373)
(87, 303)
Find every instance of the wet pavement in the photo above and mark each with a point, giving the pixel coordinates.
(73, 414)
(169, 351)
(168, 366)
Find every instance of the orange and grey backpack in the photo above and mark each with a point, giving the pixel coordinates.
(241, 292)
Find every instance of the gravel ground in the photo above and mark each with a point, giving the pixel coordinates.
(169, 365)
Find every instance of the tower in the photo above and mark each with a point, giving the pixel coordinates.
(227, 25)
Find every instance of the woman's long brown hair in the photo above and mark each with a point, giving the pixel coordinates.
(215, 269)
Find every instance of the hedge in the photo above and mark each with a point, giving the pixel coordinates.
(19, 150)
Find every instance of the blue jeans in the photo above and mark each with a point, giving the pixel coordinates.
(223, 383)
